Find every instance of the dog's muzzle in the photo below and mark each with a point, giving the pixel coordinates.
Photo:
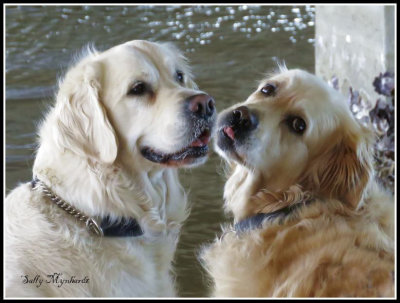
(199, 111)
(235, 126)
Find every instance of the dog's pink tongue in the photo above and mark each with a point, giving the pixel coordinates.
(201, 141)
(229, 132)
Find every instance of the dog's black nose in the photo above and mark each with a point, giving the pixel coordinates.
(243, 119)
(201, 105)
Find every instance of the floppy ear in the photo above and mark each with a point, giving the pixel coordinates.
(82, 119)
(345, 170)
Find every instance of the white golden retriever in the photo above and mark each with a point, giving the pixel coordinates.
(310, 218)
(124, 120)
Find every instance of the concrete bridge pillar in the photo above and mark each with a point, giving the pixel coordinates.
(354, 43)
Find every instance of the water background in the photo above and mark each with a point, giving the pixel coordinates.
(229, 48)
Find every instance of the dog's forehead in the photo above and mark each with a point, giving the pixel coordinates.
(300, 93)
(128, 55)
(296, 86)
(295, 80)
(144, 54)
(164, 54)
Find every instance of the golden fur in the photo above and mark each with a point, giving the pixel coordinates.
(339, 245)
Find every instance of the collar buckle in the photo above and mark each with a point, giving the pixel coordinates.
(94, 228)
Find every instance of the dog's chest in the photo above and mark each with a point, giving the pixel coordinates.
(134, 267)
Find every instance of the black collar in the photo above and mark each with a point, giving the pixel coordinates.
(126, 227)
(257, 220)
(123, 227)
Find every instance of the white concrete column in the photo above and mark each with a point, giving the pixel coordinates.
(354, 43)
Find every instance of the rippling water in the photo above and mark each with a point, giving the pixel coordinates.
(229, 48)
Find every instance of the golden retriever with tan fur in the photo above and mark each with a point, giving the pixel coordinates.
(310, 220)
(103, 214)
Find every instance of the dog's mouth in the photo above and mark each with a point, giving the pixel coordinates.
(229, 133)
(198, 148)
(226, 141)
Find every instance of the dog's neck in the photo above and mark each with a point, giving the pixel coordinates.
(240, 186)
(248, 192)
(154, 197)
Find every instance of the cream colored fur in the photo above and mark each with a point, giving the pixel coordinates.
(89, 156)
(339, 245)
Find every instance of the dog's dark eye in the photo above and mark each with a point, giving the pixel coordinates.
(296, 124)
(139, 88)
(179, 76)
(269, 89)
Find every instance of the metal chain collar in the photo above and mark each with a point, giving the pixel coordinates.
(92, 226)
